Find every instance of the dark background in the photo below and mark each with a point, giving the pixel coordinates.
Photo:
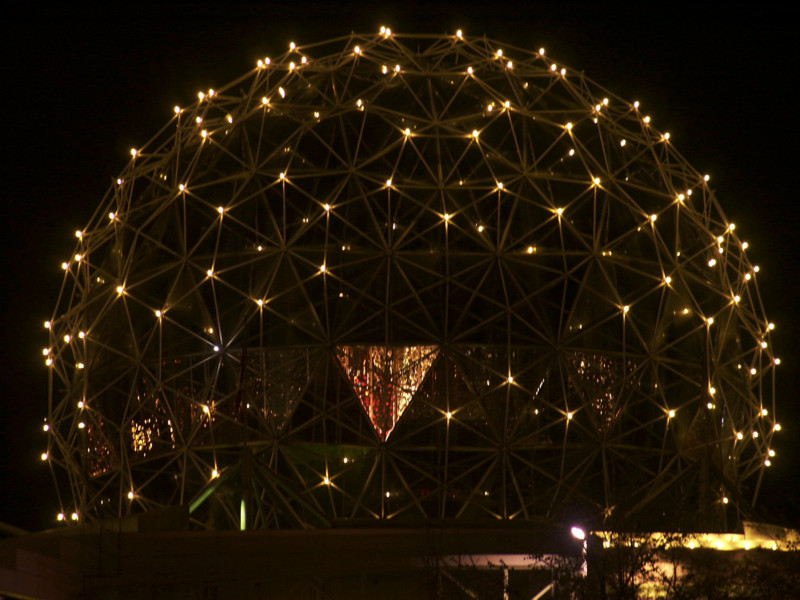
(81, 88)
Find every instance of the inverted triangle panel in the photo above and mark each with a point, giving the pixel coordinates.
(385, 379)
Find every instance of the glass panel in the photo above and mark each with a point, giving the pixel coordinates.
(385, 379)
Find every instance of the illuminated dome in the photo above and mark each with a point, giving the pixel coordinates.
(410, 278)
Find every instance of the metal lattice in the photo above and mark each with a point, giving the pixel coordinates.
(410, 277)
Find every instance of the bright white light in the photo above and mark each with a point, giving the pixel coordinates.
(578, 533)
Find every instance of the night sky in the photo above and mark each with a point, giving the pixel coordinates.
(82, 88)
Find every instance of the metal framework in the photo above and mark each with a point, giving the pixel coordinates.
(410, 277)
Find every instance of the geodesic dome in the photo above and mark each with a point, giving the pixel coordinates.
(412, 278)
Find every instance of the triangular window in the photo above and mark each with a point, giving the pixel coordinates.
(385, 379)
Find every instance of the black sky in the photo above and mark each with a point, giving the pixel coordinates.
(81, 88)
